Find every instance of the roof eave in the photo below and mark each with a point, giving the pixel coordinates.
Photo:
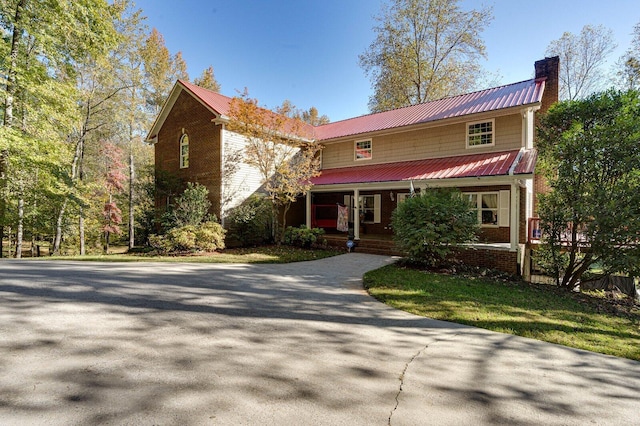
(177, 88)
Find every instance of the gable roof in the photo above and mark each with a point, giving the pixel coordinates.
(514, 162)
(509, 96)
(520, 94)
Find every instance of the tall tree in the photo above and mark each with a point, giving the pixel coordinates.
(313, 117)
(279, 147)
(45, 39)
(114, 180)
(424, 50)
(589, 153)
(208, 80)
(161, 70)
(628, 66)
(581, 59)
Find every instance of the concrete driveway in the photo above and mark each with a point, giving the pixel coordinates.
(297, 344)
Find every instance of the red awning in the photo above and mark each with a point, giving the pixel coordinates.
(477, 165)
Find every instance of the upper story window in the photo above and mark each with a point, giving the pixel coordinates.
(363, 150)
(480, 133)
(184, 151)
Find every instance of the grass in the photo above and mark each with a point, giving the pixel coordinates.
(266, 254)
(537, 311)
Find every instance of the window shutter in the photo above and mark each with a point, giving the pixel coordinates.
(377, 199)
(503, 213)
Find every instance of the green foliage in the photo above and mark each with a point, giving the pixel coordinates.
(590, 155)
(303, 236)
(207, 237)
(540, 312)
(250, 222)
(430, 226)
(190, 208)
(424, 50)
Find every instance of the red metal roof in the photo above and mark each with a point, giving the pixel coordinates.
(475, 165)
(512, 95)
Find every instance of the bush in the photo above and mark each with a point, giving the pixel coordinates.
(209, 237)
(430, 226)
(250, 222)
(190, 208)
(303, 236)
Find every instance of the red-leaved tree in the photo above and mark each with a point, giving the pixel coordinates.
(115, 180)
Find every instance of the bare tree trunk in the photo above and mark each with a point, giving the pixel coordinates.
(81, 231)
(131, 196)
(11, 75)
(58, 238)
(3, 194)
(20, 227)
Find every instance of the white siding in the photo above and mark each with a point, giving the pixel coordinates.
(245, 181)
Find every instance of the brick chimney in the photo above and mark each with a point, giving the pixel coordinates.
(548, 69)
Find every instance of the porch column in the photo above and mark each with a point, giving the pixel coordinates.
(514, 216)
(356, 214)
(308, 210)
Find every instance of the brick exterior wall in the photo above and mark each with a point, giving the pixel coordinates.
(548, 68)
(194, 119)
(502, 260)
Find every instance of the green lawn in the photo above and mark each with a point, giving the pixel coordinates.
(267, 254)
(538, 311)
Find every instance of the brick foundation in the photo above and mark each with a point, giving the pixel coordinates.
(502, 260)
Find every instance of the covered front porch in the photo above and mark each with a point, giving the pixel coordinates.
(369, 207)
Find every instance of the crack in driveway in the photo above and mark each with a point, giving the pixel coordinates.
(401, 378)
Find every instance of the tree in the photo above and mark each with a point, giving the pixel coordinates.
(581, 60)
(190, 208)
(628, 66)
(590, 155)
(114, 181)
(279, 147)
(424, 50)
(430, 226)
(313, 117)
(44, 40)
(207, 80)
(161, 70)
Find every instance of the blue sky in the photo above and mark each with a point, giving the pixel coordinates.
(307, 51)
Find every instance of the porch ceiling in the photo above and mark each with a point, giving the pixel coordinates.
(505, 163)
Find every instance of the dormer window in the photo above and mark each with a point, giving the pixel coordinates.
(363, 150)
(184, 151)
(480, 133)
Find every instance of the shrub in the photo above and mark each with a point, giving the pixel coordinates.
(190, 208)
(250, 222)
(209, 236)
(302, 236)
(430, 226)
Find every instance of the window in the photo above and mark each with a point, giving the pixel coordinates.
(492, 207)
(480, 133)
(369, 207)
(486, 206)
(363, 150)
(184, 151)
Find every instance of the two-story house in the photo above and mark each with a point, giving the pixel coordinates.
(482, 143)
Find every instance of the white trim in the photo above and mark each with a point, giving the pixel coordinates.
(308, 203)
(430, 183)
(355, 150)
(514, 233)
(492, 133)
(503, 208)
(177, 88)
(181, 155)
